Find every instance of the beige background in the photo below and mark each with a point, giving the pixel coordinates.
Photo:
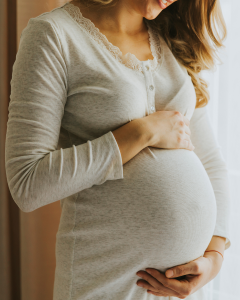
(27, 240)
(4, 215)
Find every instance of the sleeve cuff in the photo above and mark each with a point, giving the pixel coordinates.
(224, 234)
(117, 165)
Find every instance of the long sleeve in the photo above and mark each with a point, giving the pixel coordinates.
(37, 172)
(209, 152)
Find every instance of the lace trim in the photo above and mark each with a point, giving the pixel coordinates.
(129, 59)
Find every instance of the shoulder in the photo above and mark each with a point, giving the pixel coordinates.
(55, 23)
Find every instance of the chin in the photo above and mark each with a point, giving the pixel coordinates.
(151, 11)
(151, 17)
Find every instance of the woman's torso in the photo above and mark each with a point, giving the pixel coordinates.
(162, 213)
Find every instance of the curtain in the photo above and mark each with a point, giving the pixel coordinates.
(224, 110)
(4, 219)
(9, 212)
(27, 240)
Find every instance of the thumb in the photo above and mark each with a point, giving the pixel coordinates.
(190, 268)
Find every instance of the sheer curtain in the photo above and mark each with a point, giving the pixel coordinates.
(224, 110)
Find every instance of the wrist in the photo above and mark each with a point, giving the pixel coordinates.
(145, 135)
(216, 261)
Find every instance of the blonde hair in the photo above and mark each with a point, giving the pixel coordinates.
(193, 30)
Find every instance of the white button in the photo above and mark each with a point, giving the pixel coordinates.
(147, 67)
(151, 87)
(152, 108)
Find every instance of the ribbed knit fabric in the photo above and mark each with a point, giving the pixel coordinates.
(70, 89)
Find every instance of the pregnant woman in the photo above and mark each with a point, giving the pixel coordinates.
(108, 115)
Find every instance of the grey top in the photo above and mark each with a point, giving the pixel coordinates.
(70, 89)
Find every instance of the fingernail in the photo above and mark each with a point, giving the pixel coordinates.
(149, 271)
(169, 273)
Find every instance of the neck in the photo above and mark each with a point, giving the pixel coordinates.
(120, 19)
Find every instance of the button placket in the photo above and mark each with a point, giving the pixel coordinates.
(150, 88)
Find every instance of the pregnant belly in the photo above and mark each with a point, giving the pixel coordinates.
(162, 214)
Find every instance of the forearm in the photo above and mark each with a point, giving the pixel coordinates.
(131, 139)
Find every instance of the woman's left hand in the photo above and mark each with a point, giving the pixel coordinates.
(195, 275)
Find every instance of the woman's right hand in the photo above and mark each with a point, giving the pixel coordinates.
(167, 129)
(162, 129)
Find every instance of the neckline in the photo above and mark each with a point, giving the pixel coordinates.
(129, 59)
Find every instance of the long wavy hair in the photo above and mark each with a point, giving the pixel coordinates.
(194, 30)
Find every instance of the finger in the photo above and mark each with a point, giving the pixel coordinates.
(154, 285)
(159, 294)
(181, 287)
(186, 120)
(187, 130)
(161, 291)
(150, 283)
(186, 143)
(193, 268)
